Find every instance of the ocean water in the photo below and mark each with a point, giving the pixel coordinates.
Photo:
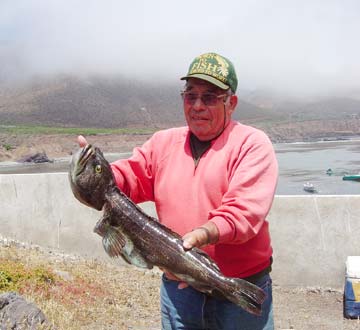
(308, 162)
(298, 163)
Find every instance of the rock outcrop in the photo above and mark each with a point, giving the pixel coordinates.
(39, 157)
(18, 314)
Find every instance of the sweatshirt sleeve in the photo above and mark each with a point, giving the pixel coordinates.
(252, 183)
(134, 176)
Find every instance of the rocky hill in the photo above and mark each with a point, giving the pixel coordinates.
(112, 102)
(100, 102)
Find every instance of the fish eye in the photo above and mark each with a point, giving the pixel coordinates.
(98, 168)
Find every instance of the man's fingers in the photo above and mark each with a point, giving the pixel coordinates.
(182, 285)
(170, 276)
(201, 236)
(81, 141)
(195, 238)
(189, 242)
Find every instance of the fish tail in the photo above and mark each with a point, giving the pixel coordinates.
(243, 293)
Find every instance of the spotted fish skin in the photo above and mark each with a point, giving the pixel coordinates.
(128, 232)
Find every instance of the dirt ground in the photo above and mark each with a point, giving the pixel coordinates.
(14, 147)
(131, 296)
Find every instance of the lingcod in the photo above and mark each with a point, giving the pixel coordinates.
(141, 240)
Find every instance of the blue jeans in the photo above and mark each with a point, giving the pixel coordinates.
(189, 309)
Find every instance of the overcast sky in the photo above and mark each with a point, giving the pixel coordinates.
(290, 45)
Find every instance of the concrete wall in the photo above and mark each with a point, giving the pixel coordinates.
(312, 235)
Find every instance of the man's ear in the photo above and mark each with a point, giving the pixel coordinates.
(233, 101)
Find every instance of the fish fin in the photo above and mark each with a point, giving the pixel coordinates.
(101, 226)
(114, 242)
(243, 293)
(239, 291)
(206, 259)
(201, 287)
(125, 259)
(137, 260)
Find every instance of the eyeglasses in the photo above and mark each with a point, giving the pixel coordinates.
(208, 99)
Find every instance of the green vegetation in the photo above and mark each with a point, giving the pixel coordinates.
(12, 129)
(76, 293)
(40, 280)
(15, 276)
(8, 147)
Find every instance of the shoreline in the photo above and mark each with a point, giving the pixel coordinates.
(339, 138)
(322, 140)
(57, 146)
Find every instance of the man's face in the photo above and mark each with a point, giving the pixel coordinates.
(206, 121)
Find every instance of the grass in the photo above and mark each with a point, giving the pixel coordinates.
(28, 129)
(76, 293)
(7, 147)
(15, 276)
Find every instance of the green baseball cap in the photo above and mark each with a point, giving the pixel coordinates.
(215, 69)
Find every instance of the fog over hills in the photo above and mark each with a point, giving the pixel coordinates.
(118, 64)
(116, 102)
(101, 102)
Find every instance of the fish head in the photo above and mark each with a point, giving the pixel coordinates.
(90, 176)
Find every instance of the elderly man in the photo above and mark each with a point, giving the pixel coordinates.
(213, 182)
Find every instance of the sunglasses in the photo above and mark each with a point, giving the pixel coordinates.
(208, 99)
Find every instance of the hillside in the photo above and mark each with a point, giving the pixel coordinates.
(114, 102)
(99, 102)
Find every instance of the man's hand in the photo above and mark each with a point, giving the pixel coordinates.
(201, 236)
(81, 141)
(171, 276)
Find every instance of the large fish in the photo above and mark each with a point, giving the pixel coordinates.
(144, 242)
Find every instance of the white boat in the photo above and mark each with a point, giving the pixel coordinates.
(309, 187)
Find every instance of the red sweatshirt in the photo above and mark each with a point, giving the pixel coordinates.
(233, 186)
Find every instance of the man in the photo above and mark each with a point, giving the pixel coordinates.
(212, 182)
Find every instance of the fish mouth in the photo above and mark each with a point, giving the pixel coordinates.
(85, 154)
